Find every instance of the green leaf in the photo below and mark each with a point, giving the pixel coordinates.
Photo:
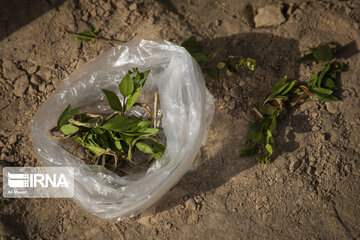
(144, 147)
(150, 132)
(94, 148)
(158, 155)
(251, 63)
(145, 133)
(241, 63)
(113, 100)
(66, 115)
(268, 109)
(143, 77)
(116, 145)
(87, 33)
(137, 75)
(230, 67)
(158, 147)
(325, 99)
(81, 39)
(307, 58)
(288, 89)
(330, 84)
(323, 53)
(132, 98)
(326, 68)
(322, 91)
(127, 139)
(249, 151)
(263, 159)
(141, 126)
(269, 137)
(220, 65)
(279, 84)
(268, 148)
(200, 57)
(273, 125)
(126, 86)
(255, 132)
(313, 80)
(228, 72)
(69, 129)
(278, 87)
(211, 56)
(190, 44)
(211, 72)
(297, 90)
(120, 123)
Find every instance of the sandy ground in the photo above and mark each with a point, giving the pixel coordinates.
(310, 190)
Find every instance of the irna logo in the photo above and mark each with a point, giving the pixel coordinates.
(36, 180)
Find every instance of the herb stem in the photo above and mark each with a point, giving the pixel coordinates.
(97, 39)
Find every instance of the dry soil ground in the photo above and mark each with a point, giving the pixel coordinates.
(310, 190)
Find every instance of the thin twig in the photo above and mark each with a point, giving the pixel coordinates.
(97, 39)
(146, 108)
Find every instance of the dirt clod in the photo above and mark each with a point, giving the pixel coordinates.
(269, 16)
(20, 85)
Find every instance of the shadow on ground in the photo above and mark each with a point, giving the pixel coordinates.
(14, 14)
(220, 161)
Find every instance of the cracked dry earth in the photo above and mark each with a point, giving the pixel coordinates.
(311, 188)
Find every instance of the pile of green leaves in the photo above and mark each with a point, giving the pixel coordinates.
(114, 139)
(231, 65)
(320, 87)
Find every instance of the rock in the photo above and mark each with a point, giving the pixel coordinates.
(31, 91)
(42, 87)
(315, 128)
(20, 85)
(294, 165)
(100, 11)
(49, 88)
(107, 6)
(56, 82)
(133, 6)
(232, 105)
(227, 98)
(235, 92)
(334, 107)
(93, 13)
(269, 16)
(10, 70)
(12, 139)
(32, 69)
(44, 74)
(190, 204)
(35, 80)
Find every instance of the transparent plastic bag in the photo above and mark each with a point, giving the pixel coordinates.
(187, 108)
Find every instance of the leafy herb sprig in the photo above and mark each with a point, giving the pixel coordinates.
(231, 65)
(113, 139)
(92, 36)
(320, 87)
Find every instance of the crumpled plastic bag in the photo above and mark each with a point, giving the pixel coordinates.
(187, 108)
